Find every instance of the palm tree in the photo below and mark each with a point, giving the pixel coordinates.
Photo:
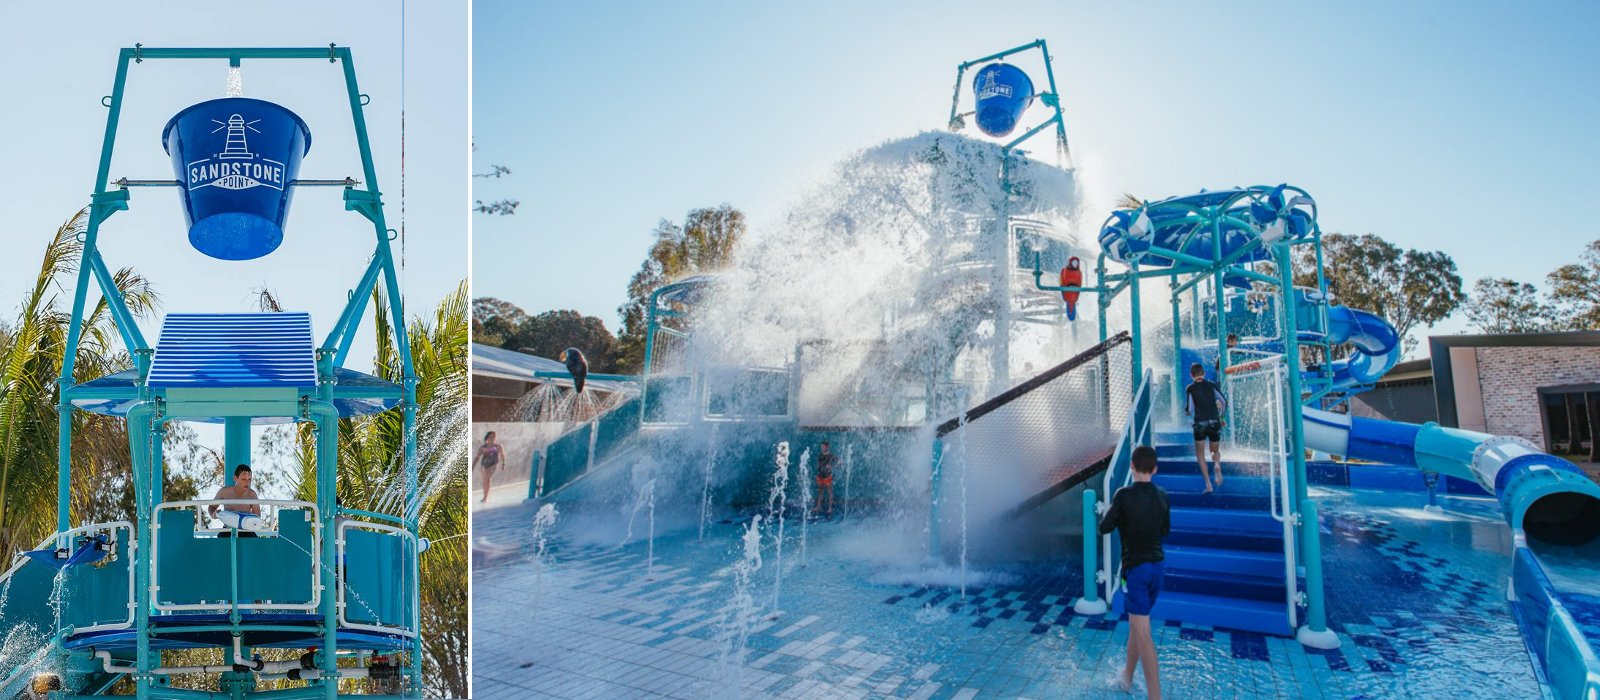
(372, 473)
(32, 347)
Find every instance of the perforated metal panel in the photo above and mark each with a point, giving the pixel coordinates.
(235, 350)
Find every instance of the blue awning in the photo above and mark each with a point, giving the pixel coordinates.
(235, 350)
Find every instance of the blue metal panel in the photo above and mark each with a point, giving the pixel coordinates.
(235, 350)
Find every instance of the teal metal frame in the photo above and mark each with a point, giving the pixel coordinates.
(147, 418)
(1186, 274)
(1051, 99)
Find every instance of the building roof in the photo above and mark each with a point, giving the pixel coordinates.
(490, 361)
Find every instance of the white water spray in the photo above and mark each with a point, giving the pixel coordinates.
(805, 501)
(740, 617)
(705, 488)
(542, 522)
(775, 506)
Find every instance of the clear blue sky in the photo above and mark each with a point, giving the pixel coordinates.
(1467, 127)
(64, 59)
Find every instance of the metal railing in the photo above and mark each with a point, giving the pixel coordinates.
(344, 594)
(274, 512)
(1260, 429)
(1119, 473)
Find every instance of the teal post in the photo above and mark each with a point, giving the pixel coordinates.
(141, 419)
(1315, 632)
(1133, 298)
(1104, 296)
(326, 419)
(934, 551)
(80, 294)
(1219, 295)
(1177, 349)
(236, 446)
(1090, 603)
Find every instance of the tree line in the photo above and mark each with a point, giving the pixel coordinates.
(1412, 289)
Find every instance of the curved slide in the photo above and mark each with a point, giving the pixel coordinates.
(1377, 346)
(1544, 496)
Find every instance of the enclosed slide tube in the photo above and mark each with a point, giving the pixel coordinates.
(1542, 495)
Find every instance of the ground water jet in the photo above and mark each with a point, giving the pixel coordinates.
(740, 617)
(542, 522)
(805, 501)
(775, 507)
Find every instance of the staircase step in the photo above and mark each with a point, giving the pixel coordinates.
(1227, 585)
(1245, 521)
(1227, 561)
(1192, 482)
(1215, 611)
(1235, 540)
(1219, 500)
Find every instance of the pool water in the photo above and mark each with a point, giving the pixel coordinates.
(1418, 600)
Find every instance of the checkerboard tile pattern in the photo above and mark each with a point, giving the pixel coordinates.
(1418, 604)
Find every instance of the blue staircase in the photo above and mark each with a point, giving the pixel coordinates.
(1225, 557)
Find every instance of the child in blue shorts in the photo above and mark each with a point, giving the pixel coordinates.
(1139, 512)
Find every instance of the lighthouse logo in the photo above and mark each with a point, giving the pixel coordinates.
(236, 167)
(989, 88)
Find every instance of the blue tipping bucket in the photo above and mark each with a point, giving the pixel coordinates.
(1003, 92)
(235, 158)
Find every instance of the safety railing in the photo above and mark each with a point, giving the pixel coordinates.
(274, 568)
(1260, 431)
(370, 596)
(95, 595)
(1119, 473)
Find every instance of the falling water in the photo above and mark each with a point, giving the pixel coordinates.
(705, 489)
(961, 454)
(849, 461)
(644, 489)
(741, 612)
(235, 86)
(805, 501)
(443, 443)
(775, 506)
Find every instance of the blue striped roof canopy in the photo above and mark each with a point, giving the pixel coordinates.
(235, 350)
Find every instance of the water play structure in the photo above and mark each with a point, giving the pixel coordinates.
(939, 383)
(99, 602)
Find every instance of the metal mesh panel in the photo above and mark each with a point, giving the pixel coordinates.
(1257, 413)
(669, 352)
(1029, 440)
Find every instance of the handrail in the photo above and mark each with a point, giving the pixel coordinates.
(1136, 431)
(341, 602)
(1280, 504)
(1041, 379)
(233, 555)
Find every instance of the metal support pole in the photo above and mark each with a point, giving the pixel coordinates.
(934, 489)
(1315, 632)
(236, 446)
(1090, 603)
(1177, 350)
(1138, 348)
(326, 418)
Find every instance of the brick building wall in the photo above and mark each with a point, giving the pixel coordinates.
(1510, 378)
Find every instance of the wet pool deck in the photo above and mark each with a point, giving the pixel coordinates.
(1418, 601)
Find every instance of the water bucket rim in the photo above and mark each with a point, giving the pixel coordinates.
(167, 130)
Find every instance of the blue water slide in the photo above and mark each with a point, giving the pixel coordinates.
(1376, 344)
(1546, 497)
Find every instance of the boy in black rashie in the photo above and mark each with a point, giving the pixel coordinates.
(1206, 404)
(1139, 512)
